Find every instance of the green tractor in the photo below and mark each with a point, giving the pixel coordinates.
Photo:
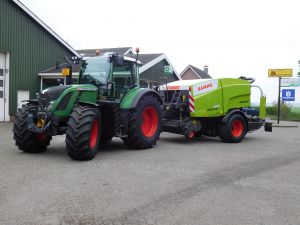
(108, 102)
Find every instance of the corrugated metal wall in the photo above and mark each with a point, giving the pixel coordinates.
(32, 49)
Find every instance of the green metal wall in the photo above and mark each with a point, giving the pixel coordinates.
(157, 71)
(31, 49)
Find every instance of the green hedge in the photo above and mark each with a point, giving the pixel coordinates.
(286, 112)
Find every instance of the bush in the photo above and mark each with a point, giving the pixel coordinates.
(270, 110)
(285, 109)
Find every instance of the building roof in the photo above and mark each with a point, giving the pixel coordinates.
(200, 73)
(144, 58)
(48, 29)
(92, 52)
(147, 60)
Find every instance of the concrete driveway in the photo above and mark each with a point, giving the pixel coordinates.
(180, 182)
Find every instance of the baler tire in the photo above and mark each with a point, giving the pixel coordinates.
(141, 135)
(26, 140)
(83, 133)
(234, 130)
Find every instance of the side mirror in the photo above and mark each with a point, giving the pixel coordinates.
(57, 65)
(120, 60)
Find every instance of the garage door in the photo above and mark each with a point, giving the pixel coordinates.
(2, 85)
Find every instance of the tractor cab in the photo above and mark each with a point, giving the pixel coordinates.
(112, 74)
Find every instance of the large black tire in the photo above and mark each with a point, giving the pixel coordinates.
(144, 126)
(83, 133)
(234, 130)
(26, 140)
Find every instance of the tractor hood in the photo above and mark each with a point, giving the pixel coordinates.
(61, 99)
(52, 93)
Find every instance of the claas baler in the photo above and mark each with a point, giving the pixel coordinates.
(212, 107)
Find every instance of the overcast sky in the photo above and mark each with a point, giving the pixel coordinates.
(232, 37)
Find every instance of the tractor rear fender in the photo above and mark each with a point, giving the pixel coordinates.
(130, 101)
(234, 111)
(132, 98)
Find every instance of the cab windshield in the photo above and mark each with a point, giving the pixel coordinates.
(95, 70)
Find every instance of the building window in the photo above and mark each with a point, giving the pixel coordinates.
(51, 82)
(74, 80)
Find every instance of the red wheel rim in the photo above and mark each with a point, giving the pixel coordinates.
(94, 134)
(237, 128)
(149, 121)
(191, 135)
(42, 137)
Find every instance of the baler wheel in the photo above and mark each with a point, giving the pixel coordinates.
(190, 135)
(28, 141)
(83, 133)
(234, 130)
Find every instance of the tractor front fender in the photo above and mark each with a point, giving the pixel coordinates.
(132, 98)
(64, 104)
(87, 104)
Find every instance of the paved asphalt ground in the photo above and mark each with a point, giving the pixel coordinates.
(178, 182)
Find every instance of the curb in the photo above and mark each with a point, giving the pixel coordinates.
(285, 126)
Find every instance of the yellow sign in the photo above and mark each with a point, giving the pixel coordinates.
(280, 72)
(65, 72)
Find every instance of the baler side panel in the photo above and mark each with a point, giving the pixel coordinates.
(236, 94)
(208, 104)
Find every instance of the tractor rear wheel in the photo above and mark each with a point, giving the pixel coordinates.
(234, 130)
(83, 133)
(28, 141)
(144, 124)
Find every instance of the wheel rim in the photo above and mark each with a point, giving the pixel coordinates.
(237, 128)
(149, 121)
(191, 135)
(94, 134)
(42, 137)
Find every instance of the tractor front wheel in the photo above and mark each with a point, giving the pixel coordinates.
(234, 130)
(83, 133)
(144, 124)
(26, 140)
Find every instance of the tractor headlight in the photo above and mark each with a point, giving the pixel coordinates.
(50, 105)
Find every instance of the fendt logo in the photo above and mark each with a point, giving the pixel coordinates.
(205, 86)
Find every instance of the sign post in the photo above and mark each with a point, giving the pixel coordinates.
(279, 73)
(278, 105)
